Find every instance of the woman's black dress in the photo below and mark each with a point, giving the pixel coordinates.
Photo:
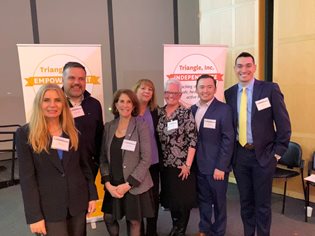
(134, 207)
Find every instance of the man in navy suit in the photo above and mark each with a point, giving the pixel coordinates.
(267, 135)
(214, 151)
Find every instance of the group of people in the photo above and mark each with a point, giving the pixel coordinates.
(148, 155)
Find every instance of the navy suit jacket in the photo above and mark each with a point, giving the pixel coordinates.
(215, 146)
(271, 128)
(51, 187)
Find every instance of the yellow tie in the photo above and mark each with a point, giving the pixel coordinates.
(242, 123)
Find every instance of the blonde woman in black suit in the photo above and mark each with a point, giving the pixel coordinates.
(56, 180)
(124, 162)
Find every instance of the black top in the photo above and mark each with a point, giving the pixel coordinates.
(116, 161)
(91, 126)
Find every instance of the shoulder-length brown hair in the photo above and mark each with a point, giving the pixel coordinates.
(39, 137)
(152, 103)
(132, 96)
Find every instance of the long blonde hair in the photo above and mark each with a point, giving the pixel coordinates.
(39, 137)
(152, 103)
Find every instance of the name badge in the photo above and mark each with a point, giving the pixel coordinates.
(172, 125)
(209, 123)
(77, 111)
(129, 145)
(60, 143)
(263, 104)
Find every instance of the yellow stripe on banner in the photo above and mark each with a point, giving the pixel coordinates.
(98, 214)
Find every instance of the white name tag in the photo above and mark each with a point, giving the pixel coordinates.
(263, 104)
(60, 143)
(77, 111)
(209, 123)
(172, 125)
(129, 145)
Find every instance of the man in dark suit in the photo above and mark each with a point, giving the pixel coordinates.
(263, 131)
(86, 110)
(213, 155)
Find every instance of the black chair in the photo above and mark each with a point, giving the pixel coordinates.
(290, 165)
(310, 170)
(7, 136)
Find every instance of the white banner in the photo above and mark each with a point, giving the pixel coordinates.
(187, 62)
(43, 63)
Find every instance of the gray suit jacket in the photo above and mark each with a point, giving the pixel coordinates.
(135, 164)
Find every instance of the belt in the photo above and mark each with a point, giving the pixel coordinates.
(248, 146)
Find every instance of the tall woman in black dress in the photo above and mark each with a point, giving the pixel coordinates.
(124, 162)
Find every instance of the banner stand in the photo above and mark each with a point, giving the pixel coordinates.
(43, 63)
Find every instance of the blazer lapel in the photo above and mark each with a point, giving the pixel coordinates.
(66, 154)
(210, 109)
(194, 109)
(234, 104)
(111, 132)
(256, 95)
(54, 159)
(212, 106)
(130, 129)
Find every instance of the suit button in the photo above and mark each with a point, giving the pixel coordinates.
(124, 167)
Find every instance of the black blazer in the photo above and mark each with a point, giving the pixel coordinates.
(50, 187)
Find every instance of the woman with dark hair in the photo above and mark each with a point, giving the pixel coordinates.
(124, 162)
(145, 92)
(56, 180)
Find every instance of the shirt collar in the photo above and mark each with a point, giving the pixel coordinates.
(249, 87)
(207, 104)
(75, 104)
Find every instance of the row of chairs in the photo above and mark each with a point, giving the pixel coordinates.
(7, 142)
(291, 165)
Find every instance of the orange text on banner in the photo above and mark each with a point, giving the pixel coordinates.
(40, 80)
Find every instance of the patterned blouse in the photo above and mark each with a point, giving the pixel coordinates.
(176, 141)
